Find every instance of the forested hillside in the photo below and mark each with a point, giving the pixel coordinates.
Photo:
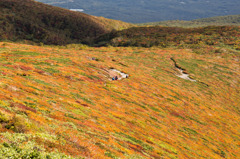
(37, 22)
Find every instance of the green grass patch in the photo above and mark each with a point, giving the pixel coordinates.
(110, 154)
(190, 131)
(42, 82)
(136, 141)
(196, 120)
(42, 63)
(61, 60)
(77, 96)
(167, 147)
(35, 88)
(24, 53)
(87, 100)
(29, 104)
(51, 70)
(155, 109)
(2, 50)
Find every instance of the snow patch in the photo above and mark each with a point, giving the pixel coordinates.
(184, 75)
(77, 10)
(120, 75)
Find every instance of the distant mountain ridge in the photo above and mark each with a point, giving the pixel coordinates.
(212, 21)
(143, 11)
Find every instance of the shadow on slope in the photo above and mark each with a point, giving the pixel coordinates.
(38, 22)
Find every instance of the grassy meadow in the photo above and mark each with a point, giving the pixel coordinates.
(57, 102)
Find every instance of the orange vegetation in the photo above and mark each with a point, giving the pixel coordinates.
(153, 114)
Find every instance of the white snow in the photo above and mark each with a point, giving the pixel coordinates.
(77, 10)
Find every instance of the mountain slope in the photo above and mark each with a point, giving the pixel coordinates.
(30, 20)
(56, 102)
(199, 38)
(143, 11)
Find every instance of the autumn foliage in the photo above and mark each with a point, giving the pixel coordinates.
(56, 101)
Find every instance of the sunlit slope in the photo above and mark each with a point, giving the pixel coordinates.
(56, 101)
(111, 24)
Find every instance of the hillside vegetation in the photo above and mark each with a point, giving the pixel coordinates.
(111, 24)
(58, 102)
(38, 22)
(195, 38)
(230, 20)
